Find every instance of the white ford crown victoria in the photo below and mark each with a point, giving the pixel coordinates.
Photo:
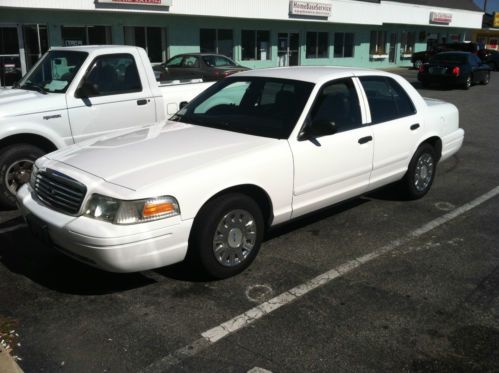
(252, 151)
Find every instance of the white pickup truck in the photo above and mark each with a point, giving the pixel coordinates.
(74, 94)
(254, 150)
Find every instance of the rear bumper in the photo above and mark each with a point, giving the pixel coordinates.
(107, 246)
(441, 79)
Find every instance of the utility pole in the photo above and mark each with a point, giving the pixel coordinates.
(485, 6)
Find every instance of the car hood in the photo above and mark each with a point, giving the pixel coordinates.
(15, 102)
(142, 157)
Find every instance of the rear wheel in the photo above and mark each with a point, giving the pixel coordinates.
(227, 235)
(16, 162)
(467, 82)
(421, 172)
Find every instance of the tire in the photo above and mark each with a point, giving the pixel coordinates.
(221, 230)
(467, 83)
(15, 169)
(420, 173)
(417, 64)
(486, 79)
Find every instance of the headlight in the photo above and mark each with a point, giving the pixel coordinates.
(131, 212)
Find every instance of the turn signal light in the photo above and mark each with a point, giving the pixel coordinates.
(152, 209)
(455, 71)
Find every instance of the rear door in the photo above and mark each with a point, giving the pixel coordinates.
(396, 128)
(115, 99)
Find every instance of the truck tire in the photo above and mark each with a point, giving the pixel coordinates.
(16, 162)
(226, 235)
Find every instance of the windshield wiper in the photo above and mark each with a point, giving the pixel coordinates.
(34, 87)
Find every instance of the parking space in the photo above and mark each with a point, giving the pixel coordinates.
(406, 285)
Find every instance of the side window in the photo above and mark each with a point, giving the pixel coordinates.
(336, 109)
(474, 60)
(174, 62)
(113, 74)
(190, 62)
(387, 99)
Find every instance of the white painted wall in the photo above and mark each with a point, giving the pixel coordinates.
(344, 11)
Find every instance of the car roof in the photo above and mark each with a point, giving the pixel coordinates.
(312, 74)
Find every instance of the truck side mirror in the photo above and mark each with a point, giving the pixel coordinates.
(87, 89)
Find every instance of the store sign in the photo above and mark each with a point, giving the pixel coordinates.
(495, 19)
(438, 17)
(138, 2)
(308, 8)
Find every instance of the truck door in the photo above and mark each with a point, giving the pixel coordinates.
(110, 97)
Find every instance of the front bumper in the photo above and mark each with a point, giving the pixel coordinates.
(114, 248)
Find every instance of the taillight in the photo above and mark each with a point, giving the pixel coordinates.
(421, 68)
(455, 71)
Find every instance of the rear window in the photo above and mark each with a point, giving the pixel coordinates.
(449, 58)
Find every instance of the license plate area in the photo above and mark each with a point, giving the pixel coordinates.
(438, 70)
(39, 229)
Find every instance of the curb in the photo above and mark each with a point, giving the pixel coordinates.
(7, 363)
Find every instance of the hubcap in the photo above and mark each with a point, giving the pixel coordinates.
(424, 172)
(235, 238)
(18, 174)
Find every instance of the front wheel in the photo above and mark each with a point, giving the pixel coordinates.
(486, 79)
(227, 235)
(421, 172)
(16, 162)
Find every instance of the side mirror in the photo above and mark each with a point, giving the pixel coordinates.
(183, 104)
(318, 128)
(87, 89)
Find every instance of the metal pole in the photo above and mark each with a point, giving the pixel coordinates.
(485, 6)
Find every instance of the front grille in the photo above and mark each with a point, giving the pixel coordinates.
(59, 191)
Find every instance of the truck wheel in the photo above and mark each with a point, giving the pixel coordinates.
(420, 173)
(226, 235)
(16, 162)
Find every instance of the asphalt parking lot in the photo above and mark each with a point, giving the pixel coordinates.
(375, 284)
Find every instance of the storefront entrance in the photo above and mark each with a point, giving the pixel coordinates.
(288, 49)
(10, 61)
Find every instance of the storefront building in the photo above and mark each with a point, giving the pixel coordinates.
(257, 33)
(488, 36)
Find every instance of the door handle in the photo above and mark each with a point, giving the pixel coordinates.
(415, 126)
(364, 140)
(142, 102)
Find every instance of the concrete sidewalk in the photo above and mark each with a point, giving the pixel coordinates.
(7, 363)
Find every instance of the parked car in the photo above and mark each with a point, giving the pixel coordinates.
(454, 68)
(209, 67)
(420, 58)
(493, 60)
(252, 151)
(75, 94)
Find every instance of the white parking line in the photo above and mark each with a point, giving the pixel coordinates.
(215, 334)
(13, 228)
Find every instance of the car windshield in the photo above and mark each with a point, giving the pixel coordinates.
(218, 61)
(266, 107)
(449, 58)
(54, 73)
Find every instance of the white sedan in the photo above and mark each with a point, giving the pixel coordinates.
(252, 151)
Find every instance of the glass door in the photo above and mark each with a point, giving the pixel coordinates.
(288, 49)
(10, 61)
(392, 53)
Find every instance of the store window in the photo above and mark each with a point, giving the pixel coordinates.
(152, 39)
(255, 45)
(85, 35)
(407, 42)
(10, 62)
(378, 42)
(343, 44)
(317, 45)
(216, 41)
(35, 43)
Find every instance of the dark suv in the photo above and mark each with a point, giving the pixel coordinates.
(420, 58)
